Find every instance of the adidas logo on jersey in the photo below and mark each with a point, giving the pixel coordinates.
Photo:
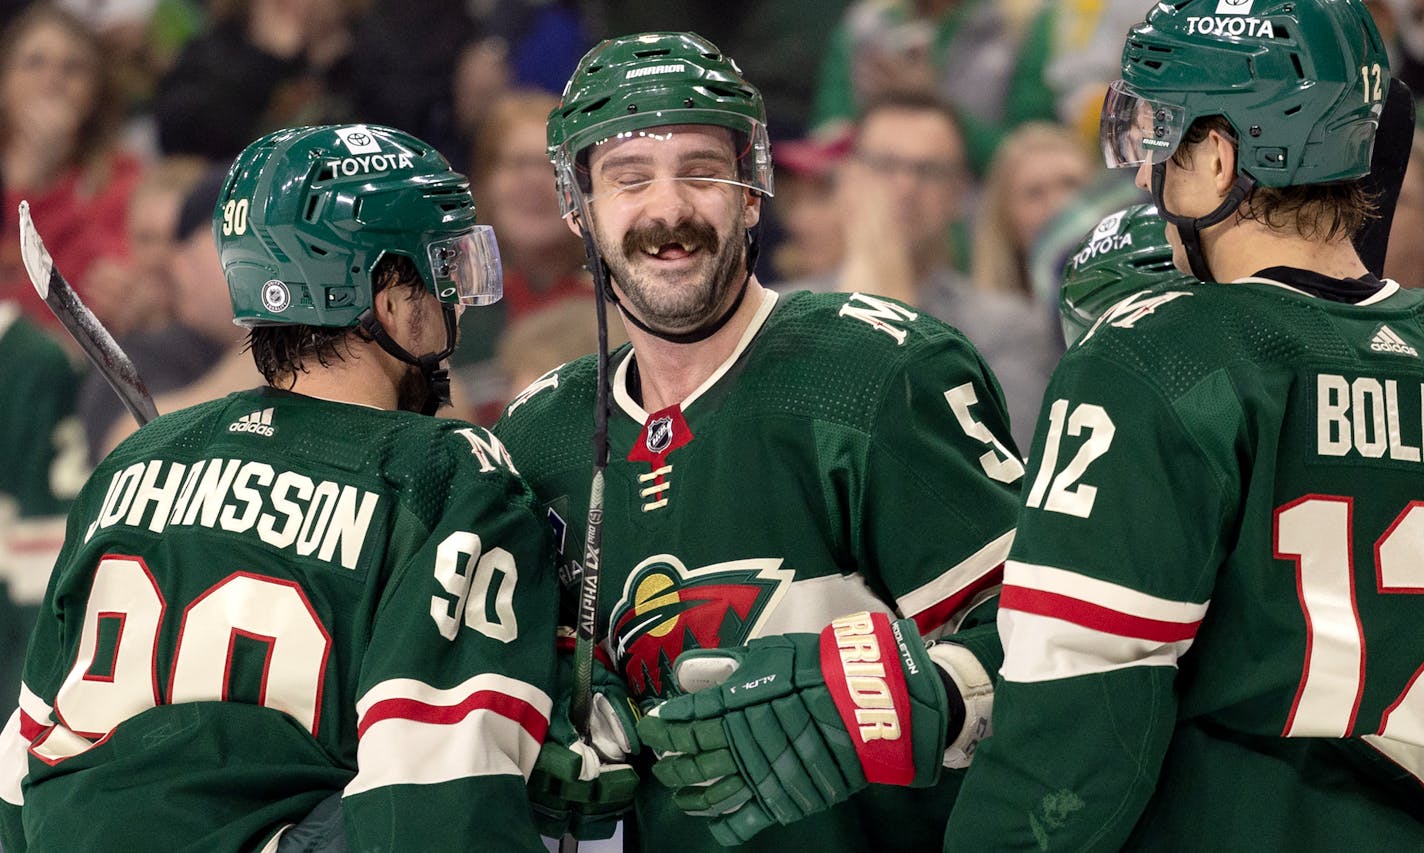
(1388, 340)
(256, 422)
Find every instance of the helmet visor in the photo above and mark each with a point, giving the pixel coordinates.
(630, 161)
(467, 269)
(1136, 130)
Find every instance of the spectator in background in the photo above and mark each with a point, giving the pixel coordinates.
(57, 149)
(985, 57)
(133, 292)
(901, 190)
(259, 65)
(443, 91)
(199, 355)
(1039, 168)
(807, 211)
(543, 262)
(778, 43)
(542, 339)
(1085, 55)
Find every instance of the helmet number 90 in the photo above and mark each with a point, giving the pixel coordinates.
(235, 216)
(1375, 93)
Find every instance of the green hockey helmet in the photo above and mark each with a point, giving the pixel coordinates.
(1302, 83)
(306, 214)
(1127, 252)
(625, 86)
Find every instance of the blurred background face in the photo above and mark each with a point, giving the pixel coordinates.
(1041, 182)
(810, 216)
(49, 64)
(522, 203)
(918, 156)
(200, 294)
(152, 223)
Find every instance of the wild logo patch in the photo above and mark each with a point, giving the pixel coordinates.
(666, 609)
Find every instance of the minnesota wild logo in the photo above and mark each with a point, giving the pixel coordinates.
(666, 609)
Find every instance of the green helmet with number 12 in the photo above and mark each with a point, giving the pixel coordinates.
(1302, 83)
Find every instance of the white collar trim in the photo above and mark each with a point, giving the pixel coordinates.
(631, 408)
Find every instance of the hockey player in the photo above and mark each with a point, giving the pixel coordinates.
(306, 589)
(1210, 608)
(1125, 254)
(775, 461)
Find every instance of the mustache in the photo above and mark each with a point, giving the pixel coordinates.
(693, 235)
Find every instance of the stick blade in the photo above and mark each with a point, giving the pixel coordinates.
(38, 262)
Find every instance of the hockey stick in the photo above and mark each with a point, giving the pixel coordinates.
(81, 323)
(1387, 164)
(586, 628)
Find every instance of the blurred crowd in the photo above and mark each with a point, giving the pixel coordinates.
(942, 152)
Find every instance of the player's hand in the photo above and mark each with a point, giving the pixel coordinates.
(583, 789)
(790, 725)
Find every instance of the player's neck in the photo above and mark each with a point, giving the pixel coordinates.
(362, 377)
(1248, 247)
(668, 373)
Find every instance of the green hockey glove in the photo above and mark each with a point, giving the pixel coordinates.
(790, 725)
(583, 789)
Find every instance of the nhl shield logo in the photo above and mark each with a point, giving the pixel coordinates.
(275, 296)
(659, 434)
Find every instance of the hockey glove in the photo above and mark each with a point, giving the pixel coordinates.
(790, 725)
(583, 789)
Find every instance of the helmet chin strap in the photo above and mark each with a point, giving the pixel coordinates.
(706, 330)
(437, 378)
(1188, 228)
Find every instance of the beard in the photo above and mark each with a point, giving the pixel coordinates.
(686, 304)
(413, 392)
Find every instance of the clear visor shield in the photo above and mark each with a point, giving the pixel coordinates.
(467, 269)
(695, 157)
(1135, 130)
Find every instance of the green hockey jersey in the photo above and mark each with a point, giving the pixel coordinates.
(1211, 612)
(849, 455)
(268, 599)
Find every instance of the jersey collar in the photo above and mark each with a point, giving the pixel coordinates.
(624, 400)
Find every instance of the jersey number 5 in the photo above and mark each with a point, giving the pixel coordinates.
(115, 675)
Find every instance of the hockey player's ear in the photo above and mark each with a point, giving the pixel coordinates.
(1221, 150)
(752, 206)
(575, 223)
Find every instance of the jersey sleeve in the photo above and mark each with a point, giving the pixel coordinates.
(1108, 580)
(454, 694)
(938, 505)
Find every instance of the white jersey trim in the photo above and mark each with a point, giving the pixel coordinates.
(631, 408)
(957, 579)
(1041, 648)
(413, 733)
(1390, 288)
(1409, 756)
(1102, 593)
(15, 745)
(810, 604)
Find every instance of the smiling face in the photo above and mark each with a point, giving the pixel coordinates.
(670, 217)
